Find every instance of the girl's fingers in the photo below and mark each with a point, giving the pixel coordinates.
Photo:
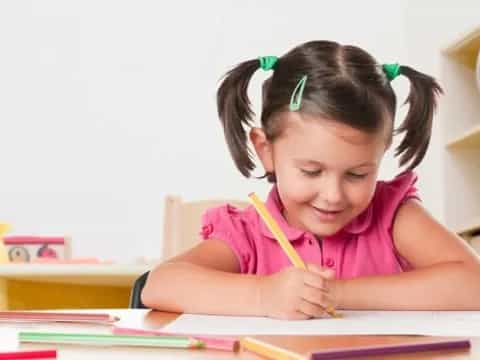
(298, 315)
(317, 296)
(312, 310)
(316, 281)
(323, 272)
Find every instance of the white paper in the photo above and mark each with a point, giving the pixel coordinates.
(434, 323)
(8, 339)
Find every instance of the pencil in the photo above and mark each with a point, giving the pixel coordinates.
(391, 349)
(277, 232)
(112, 340)
(35, 354)
(281, 238)
(268, 350)
(56, 316)
(210, 342)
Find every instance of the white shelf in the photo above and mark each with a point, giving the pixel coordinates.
(465, 49)
(470, 139)
(460, 116)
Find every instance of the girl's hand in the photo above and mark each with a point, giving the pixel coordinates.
(297, 294)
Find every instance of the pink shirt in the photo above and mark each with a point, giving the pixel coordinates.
(363, 247)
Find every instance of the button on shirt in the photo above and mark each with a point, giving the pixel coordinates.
(363, 247)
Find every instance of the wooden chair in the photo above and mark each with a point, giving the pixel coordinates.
(182, 224)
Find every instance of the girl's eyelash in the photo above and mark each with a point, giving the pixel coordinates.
(311, 173)
(315, 173)
(357, 176)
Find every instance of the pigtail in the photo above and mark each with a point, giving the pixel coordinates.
(417, 125)
(234, 110)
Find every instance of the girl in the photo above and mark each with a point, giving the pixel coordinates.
(327, 119)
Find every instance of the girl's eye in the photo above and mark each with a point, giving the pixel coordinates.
(356, 176)
(311, 173)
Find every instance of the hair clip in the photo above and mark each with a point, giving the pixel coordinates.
(296, 98)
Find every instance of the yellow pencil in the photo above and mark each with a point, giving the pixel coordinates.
(277, 232)
(269, 351)
(281, 238)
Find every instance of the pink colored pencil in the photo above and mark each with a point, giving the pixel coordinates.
(49, 316)
(217, 343)
(35, 354)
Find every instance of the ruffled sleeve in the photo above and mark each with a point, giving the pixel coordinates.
(227, 223)
(392, 194)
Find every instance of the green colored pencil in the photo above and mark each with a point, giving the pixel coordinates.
(111, 340)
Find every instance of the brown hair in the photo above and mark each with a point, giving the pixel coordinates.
(345, 84)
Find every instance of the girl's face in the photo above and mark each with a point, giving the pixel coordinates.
(326, 171)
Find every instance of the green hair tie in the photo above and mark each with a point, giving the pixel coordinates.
(296, 98)
(267, 62)
(391, 70)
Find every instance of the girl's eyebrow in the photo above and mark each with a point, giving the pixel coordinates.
(321, 164)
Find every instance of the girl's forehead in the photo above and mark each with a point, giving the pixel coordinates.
(313, 138)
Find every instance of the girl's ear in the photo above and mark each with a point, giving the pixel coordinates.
(263, 148)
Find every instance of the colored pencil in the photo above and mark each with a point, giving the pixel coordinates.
(111, 340)
(268, 350)
(27, 355)
(382, 350)
(48, 316)
(277, 232)
(211, 342)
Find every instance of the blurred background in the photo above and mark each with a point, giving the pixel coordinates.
(108, 106)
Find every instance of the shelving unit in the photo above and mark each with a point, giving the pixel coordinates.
(460, 109)
(470, 139)
(67, 286)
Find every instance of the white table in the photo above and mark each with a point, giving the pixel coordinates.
(155, 320)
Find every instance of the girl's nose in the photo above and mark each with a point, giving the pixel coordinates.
(330, 190)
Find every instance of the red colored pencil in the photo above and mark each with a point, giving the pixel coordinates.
(33, 354)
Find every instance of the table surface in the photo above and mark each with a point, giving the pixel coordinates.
(155, 320)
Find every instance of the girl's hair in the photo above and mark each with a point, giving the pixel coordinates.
(344, 84)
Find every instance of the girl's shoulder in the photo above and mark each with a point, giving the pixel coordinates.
(237, 228)
(230, 222)
(390, 195)
(387, 199)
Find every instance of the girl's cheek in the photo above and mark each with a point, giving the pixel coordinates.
(297, 190)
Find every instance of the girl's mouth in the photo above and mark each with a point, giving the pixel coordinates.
(327, 215)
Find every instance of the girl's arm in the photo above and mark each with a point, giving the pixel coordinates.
(446, 273)
(206, 280)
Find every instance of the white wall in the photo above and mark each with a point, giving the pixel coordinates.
(106, 106)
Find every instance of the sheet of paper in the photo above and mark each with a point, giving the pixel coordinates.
(434, 323)
(8, 339)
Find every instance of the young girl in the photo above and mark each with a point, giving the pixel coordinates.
(327, 119)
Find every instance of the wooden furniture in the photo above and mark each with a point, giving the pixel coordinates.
(460, 110)
(155, 320)
(66, 286)
(182, 222)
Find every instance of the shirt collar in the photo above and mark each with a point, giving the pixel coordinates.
(275, 207)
